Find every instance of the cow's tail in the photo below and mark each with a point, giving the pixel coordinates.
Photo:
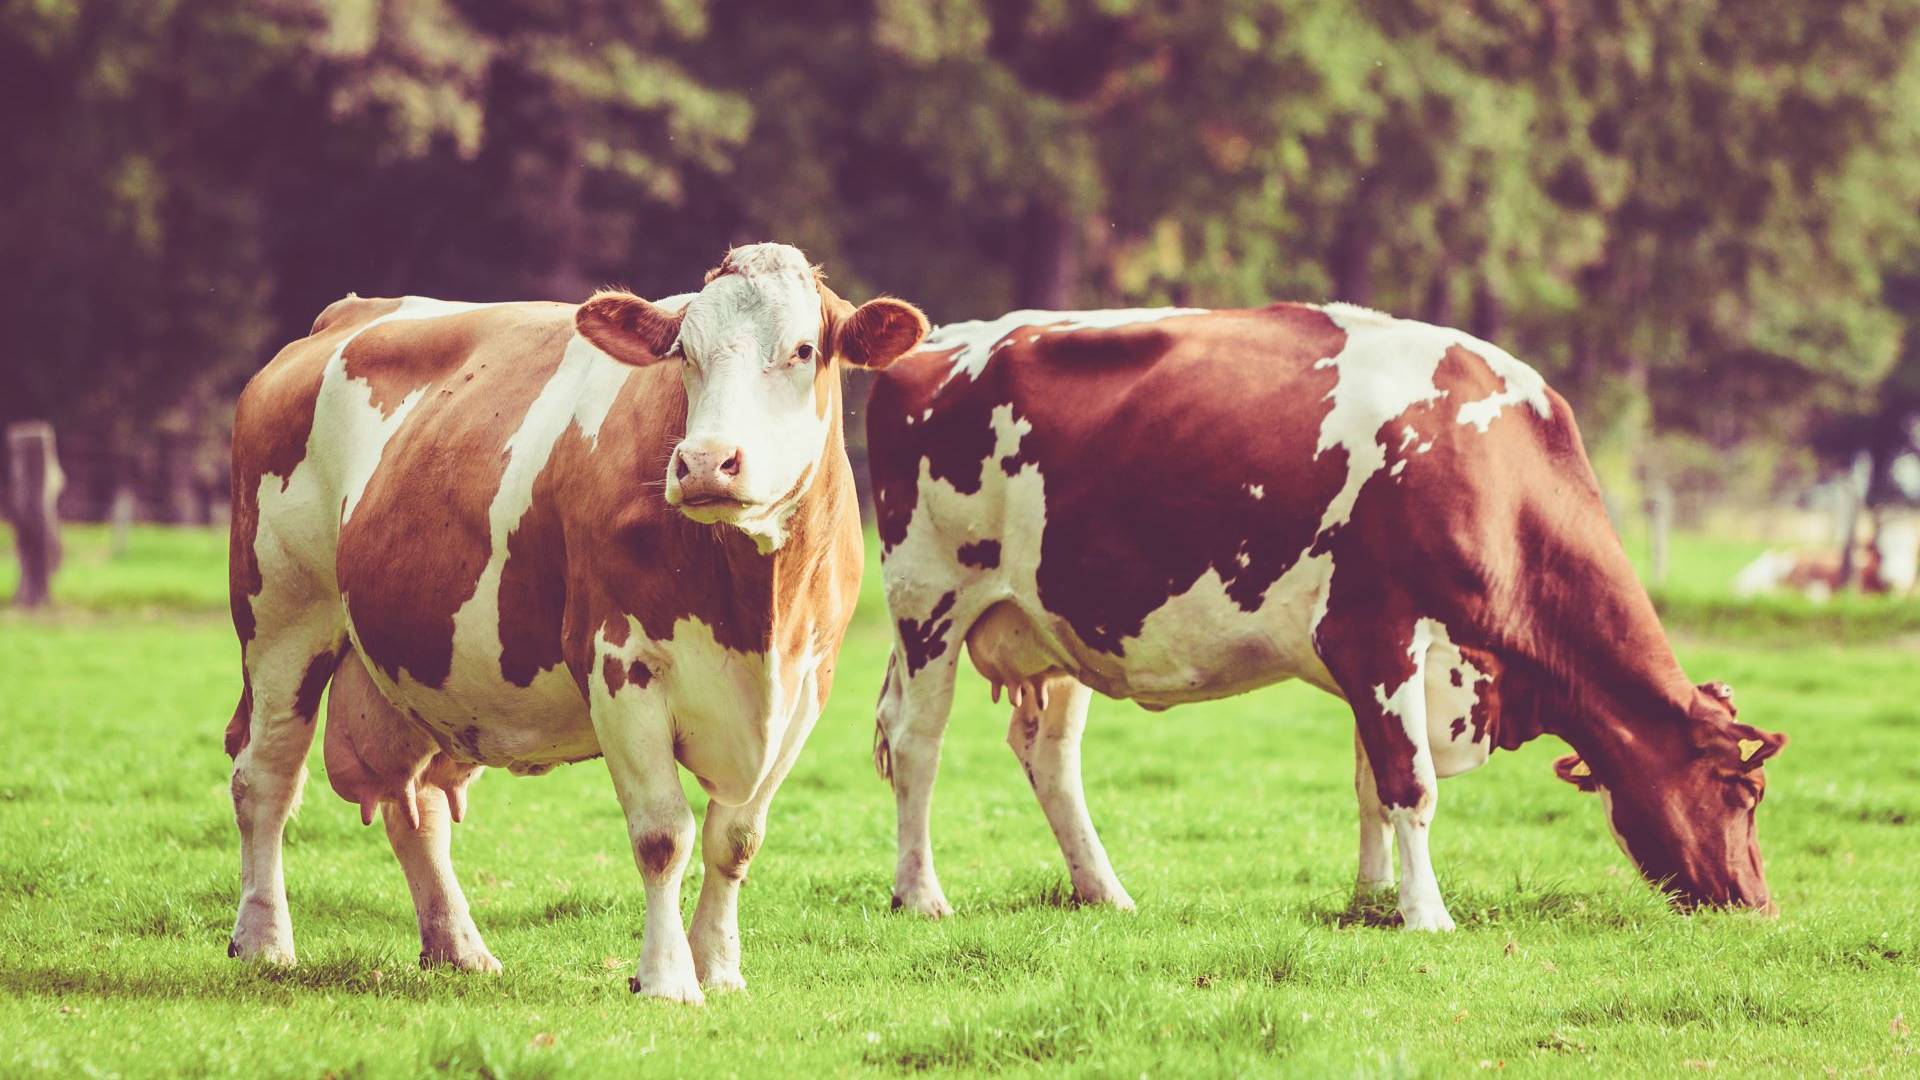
(889, 702)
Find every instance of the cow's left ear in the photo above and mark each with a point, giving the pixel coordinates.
(1576, 772)
(878, 332)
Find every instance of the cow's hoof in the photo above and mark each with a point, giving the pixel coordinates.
(682, 990)
(270, 953)
(721, 982)
(1435, 920)
(933, 906)
(479, 960)
(456, 946)
(1117, 899)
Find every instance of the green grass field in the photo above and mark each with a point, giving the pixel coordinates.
(1232, 824)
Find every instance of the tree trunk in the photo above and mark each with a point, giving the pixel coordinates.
(120, 513)
(1353, 258)
(1049, 268)
(1856, 498)
(1659, 526)
(33, 489)
(1488, 316)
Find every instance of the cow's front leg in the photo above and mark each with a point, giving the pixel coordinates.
(635, 731)
(1383, 676)
(729, 840)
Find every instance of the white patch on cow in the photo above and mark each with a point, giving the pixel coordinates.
(1407, 703)
(1524, 386)
(1398, 467)
(1258, 491)
(1451, 706)
(1898, 543)
(730, 710)
(546, 729)
(1387, 367)
(746, 390)
(978, 341)
(1764, 574)
(301, 515)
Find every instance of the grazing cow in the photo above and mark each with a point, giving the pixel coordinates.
(515, 537)
(1886, 564)
(1176, 505)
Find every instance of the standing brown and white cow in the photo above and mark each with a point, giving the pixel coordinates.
(1176, 505)
(515, 537)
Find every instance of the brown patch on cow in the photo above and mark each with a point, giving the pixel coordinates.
(639, 674)
(614, 674)
(272, 424)
(657, 851)
(1102, 437)
(925, 639)
(984, 554)
(467, 739)
(240, 728)
(742, 843)
(306, 700)
(452, 446)
(533, 587)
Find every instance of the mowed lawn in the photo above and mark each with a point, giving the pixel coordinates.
(1232, 824)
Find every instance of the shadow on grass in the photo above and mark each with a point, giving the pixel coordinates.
(1629, 908)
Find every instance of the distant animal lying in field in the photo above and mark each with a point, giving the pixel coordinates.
(1887, 563)
(525, 534)
(1174, 505)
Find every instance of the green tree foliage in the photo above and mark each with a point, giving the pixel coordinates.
(1688, 211)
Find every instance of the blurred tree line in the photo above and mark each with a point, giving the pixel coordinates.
(1696, 216)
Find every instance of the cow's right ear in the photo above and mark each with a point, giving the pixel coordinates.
(627, 328)
(1576, 772)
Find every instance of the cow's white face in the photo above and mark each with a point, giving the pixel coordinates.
(758, 407)
(756, 349)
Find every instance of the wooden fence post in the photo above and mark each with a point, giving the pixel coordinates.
(33, 489)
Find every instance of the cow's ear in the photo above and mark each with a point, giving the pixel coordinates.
(878, 332)
(1722, 693)
(1575, 771)
(627, 328)
(1756, 746)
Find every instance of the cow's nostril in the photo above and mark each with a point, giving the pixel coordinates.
(731, 466)
(679, 467)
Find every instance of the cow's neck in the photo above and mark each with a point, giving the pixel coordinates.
(770, 574)
(1606, 678)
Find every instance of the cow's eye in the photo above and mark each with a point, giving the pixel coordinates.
(804, 352)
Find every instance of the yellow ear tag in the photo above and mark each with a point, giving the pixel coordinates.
(1749, 747)
(1580, 769)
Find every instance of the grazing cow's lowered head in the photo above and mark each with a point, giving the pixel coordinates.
(1685, 813)
(757, 348)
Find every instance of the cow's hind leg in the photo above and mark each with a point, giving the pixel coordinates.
(422, 841)
(909, 724)
(1376, 834)
(376, 756)
(1383, 676)
(286, 670)
(1048, 720)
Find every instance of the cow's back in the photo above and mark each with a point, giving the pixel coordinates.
(1208, 470)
